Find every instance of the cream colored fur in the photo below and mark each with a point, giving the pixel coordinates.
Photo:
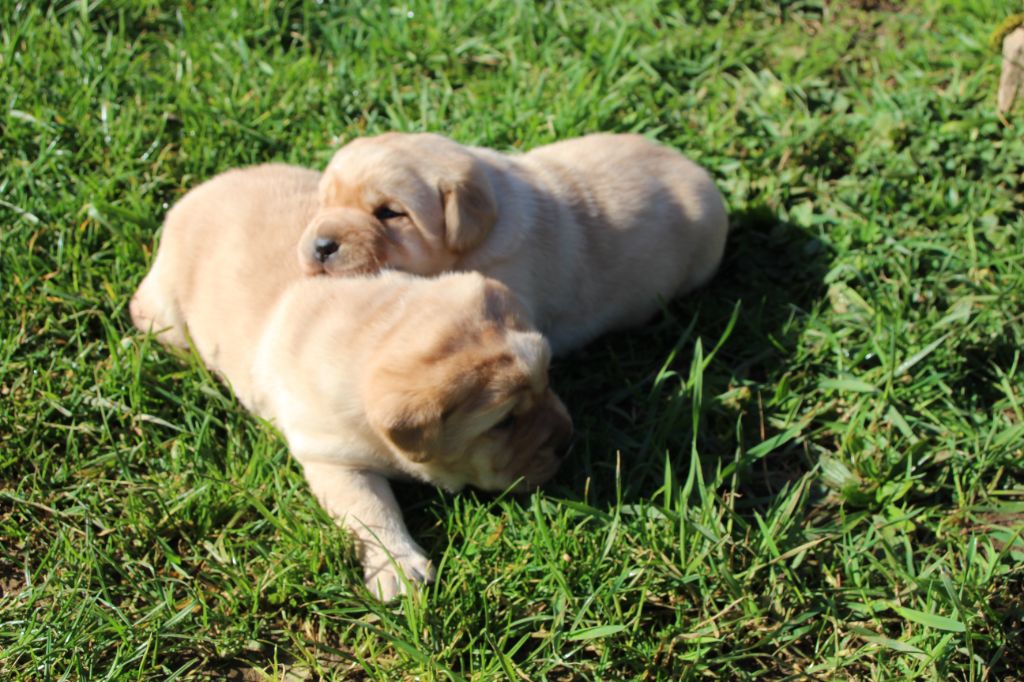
(593, 233)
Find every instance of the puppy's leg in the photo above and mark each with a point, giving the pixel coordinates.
(364, 503)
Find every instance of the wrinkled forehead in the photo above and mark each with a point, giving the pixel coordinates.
(521, 374)
(512, 384)
(494, 366)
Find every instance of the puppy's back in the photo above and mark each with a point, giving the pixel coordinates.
(654, 226)
(637, 185)
(225, 255)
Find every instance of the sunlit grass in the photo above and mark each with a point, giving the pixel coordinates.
(811, 468)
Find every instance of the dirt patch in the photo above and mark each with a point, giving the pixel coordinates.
(875, 5)
(12, 579)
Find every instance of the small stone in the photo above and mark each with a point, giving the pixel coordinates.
(1011, 81)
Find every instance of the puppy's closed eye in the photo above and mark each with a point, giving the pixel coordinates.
(507, 423)
(384, 214)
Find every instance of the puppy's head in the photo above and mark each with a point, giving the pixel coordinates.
(342, 241)
(422, 199)
(465, 396)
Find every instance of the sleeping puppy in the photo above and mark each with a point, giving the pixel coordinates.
(442, 380)
(592, 233)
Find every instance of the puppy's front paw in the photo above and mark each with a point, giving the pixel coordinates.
(383, 574)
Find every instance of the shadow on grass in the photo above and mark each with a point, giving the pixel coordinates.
(631, 394)
(627, 391)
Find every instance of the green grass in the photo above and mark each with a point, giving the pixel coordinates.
(812, 468)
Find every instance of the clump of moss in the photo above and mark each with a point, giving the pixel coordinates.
(1003, 29)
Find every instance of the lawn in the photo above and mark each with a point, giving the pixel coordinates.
(811, 468)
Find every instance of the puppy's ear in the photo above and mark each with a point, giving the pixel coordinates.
(469, 207)
(418, 437)
(415, 403)
(405, 409)
(411, 427)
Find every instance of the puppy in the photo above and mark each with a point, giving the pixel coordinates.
(592, 233)
(441, 380)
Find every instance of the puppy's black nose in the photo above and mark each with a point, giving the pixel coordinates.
(323, 248)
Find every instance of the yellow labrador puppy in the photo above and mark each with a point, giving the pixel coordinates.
(591, 233)
(442, 380)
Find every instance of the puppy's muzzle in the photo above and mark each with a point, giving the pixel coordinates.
(544, 438)
(341, 241)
